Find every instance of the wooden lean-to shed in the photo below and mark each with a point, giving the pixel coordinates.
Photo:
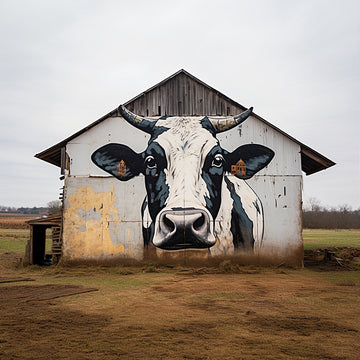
(175, 173)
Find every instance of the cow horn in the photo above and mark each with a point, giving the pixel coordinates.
(228, 123)
(136, 120)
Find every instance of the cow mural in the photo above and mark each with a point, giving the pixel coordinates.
(197, 196)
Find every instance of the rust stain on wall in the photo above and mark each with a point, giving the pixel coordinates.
(87, 234)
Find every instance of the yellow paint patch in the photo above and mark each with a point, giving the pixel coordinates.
(90, 238)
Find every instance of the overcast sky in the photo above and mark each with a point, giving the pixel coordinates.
(64, 64)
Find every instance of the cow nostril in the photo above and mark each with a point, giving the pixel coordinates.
(199, 223)
(168, 223)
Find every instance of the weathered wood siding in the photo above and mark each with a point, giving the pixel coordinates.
(182, 95)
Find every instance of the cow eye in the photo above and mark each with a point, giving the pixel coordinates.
(150, 162)
(218, 161)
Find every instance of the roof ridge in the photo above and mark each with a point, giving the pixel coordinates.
(53, 153)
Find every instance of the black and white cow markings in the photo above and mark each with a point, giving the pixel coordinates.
(192, 200)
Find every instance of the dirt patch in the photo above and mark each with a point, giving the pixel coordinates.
(41, 330)
(301, 325)
(13, 279)
(157, 312)
(333, 259)
(9, 261)
(31, 293)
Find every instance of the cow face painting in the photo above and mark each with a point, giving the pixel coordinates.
(187, 181)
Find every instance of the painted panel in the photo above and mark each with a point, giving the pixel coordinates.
(287, 160)
(281, 199)
(113, 129)
(98, 223)
(191, 201)
(117, 130)
(195, 170)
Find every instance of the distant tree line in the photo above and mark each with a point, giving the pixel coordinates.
(52, 208)
(315, 216)
(23, 210)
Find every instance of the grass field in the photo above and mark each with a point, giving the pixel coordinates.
(159, 312)
(14, 240)
(12, 221)
(320, 238)
(14, 234)
(95, 312)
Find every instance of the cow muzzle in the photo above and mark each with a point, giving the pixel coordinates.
(177, 229)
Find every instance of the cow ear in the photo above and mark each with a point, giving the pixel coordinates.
(118, 160)
(247, 160)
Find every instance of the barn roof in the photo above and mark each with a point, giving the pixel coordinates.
(182, 94)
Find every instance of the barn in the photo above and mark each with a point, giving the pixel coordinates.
(179, 172)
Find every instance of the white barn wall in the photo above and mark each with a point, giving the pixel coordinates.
(111, 228)
(96, 228)
(287, 159)
(111, 130)
(279, 186)
(98, 221)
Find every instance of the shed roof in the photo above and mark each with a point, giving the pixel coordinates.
(49, 220)
(182, 94)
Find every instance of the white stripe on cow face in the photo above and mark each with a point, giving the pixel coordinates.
(186, 145)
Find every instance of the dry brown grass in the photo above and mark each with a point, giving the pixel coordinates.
(155, 312)
(149, 311)
(15, 222)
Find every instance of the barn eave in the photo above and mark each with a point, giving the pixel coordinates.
(312, 161)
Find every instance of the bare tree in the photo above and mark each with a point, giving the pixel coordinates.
(54, 206)
(314, 204)
(320, 217)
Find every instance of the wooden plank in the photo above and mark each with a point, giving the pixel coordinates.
(182, 96)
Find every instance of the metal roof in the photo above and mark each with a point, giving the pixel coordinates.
(311, 160)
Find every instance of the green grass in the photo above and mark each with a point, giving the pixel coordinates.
(13, 245)
(15, 232)
(320, 238)
(14, 240)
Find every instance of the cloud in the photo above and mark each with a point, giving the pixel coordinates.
(64, 64)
